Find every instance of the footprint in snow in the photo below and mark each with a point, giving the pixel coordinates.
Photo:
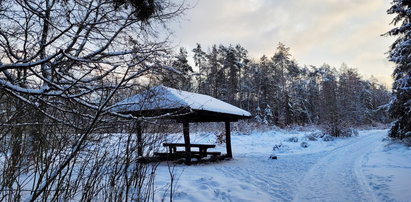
(244, 187)
(207, 181)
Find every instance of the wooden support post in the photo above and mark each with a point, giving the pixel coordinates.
(228, 139)
(186, 132)
(139, 139)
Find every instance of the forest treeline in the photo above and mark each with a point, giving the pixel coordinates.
(279, 91)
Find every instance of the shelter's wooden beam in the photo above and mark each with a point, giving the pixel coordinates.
(228, 139)
(139, 139)
(186, 132)
(204, 120)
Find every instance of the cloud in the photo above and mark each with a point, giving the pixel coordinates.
(317, 31)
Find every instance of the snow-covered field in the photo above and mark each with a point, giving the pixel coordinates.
(361, 168)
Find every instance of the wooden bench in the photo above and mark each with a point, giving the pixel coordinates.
(202, 150)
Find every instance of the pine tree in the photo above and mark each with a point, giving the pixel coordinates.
(330, 111)
(200, 60)
(243, 62)
(282, 61)
(181, 79)
(233, 60)
(269, 88)
(350, 95)
(249, 86)
(299, 94)
(313, 100)
(380, 96)
(186, 71)
(215, 74)
(400, 54)
(229, 70)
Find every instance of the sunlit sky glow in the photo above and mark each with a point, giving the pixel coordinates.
(317, 31)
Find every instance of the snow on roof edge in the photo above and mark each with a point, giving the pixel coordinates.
(169, 98)
(199, 101)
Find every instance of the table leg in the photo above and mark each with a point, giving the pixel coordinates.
(203, 152)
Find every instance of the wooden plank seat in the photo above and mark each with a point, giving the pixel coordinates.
(182, 154)
(168, 156)
(191, 145)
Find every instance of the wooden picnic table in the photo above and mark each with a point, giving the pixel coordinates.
(202, 149)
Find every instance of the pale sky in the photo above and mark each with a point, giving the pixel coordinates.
(317, 31)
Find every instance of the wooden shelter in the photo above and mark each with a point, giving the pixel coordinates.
(185, 107)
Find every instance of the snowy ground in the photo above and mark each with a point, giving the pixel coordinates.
(362, 168)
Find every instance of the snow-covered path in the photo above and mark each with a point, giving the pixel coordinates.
(338, 176)
(341, 170)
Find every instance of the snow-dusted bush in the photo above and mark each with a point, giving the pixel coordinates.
(314, 136)
(328, 138)
(304, 144)
(339, 130)
(407, 140)
(348, 132)
(280, 148)
(310, 137)
(292, 139)
(249, 126)
(220, 138)
(242, 127)
(354, 132)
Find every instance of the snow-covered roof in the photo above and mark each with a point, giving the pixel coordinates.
(165, 98)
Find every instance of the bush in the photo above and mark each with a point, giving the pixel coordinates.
(280, 148)
(348, 132)
(311, 137)
(336, 129)
(304, 144)
(407, 141)
(292, 139)
(328, 138)
(355, 132)
(220, 138)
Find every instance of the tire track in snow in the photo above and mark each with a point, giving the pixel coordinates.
(338, 175)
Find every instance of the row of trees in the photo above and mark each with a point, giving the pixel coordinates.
(279, 91)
